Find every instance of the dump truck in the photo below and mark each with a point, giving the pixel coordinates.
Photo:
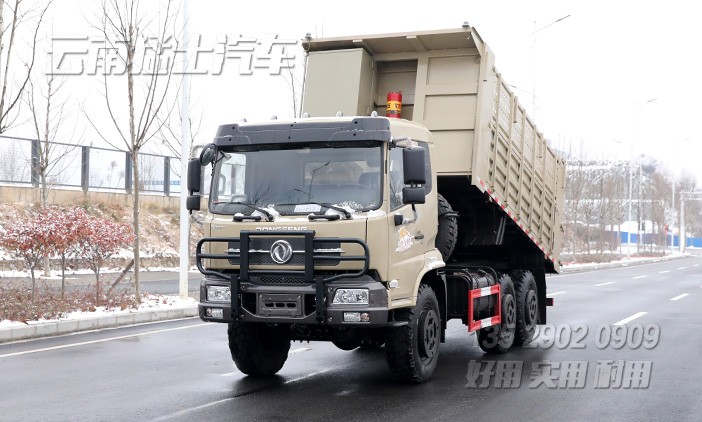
(372, 223)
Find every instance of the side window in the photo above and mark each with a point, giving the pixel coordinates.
(395, 177)
(427, 162)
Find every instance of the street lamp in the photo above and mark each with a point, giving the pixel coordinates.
(631, 182)
(533, 87)
(634, 108)
(672, 200)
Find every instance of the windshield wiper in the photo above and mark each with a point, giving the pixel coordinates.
(268, 215)
(344, 211)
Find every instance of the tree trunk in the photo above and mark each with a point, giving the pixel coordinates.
(34, 283)
(63, 276)
(97, 287)
(137, 232)
(120, 277)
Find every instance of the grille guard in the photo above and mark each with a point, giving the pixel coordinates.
(308, 272)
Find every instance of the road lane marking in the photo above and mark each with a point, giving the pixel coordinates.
(696, 265)
(604, 284)
(227, 399)
(663, 272)
(84, 343)
(229, 374)
(313, 374)
(639, 276)
(192, 409)
(554, 293)
(678, 297)
(631, 318)
(682, 268)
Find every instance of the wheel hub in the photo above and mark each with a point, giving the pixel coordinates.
(428, 334)
(531, 306)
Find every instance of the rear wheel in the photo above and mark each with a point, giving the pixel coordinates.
(258, 349)
(448, 229)
(527, 306)
(412, 350)
(499, 338)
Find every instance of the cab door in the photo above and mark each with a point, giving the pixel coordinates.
(407, 243)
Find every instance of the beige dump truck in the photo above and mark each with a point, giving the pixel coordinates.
(371, 231)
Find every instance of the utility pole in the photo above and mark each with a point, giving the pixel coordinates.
(184, 155)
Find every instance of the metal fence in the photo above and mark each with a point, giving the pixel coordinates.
(86, 167)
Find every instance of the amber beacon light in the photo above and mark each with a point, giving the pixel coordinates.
(394, 105)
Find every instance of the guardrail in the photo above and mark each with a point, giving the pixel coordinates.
(86, 167)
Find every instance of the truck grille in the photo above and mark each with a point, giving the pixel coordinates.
(260, 254)
(278, 280)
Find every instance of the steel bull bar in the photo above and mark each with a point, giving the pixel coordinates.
(243, 256)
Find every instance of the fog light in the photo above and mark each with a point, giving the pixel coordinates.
(352, 317)
(214, 313)
(351, 296)
(219, 294)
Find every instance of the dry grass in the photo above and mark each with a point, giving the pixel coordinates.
(16, 303)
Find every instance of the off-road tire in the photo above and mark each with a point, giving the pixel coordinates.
(373, 341)
(448, 228)
(412, 351)
(500, 338)
(258, 349)
(527, 306)
(346, 339)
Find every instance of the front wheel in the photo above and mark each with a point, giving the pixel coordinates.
(412, 350)
(258, 349)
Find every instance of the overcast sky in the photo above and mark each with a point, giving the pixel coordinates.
(595, 70)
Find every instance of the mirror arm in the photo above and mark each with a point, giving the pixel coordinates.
(414, 218)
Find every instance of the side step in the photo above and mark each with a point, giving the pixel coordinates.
(485, 322)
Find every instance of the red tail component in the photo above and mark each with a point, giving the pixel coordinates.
(485, 322)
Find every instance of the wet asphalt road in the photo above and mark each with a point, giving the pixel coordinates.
(181, 370)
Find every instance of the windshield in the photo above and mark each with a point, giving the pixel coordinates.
(297, 181)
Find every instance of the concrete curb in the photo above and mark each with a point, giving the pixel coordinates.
(73, 326)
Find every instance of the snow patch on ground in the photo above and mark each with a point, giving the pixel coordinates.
(624, 261)
(149, 303)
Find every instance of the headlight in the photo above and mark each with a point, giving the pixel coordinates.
(351, 296)
(219, 294)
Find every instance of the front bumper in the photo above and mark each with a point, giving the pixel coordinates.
(296, 304)
(303, 296)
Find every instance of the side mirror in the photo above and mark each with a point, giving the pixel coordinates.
(194, 175)
(192, 203)
(208, 154)
(414, 195)
(414, 166)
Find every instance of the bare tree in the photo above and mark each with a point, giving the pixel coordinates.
(10, 99)
(124, 24)
(47, 116)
